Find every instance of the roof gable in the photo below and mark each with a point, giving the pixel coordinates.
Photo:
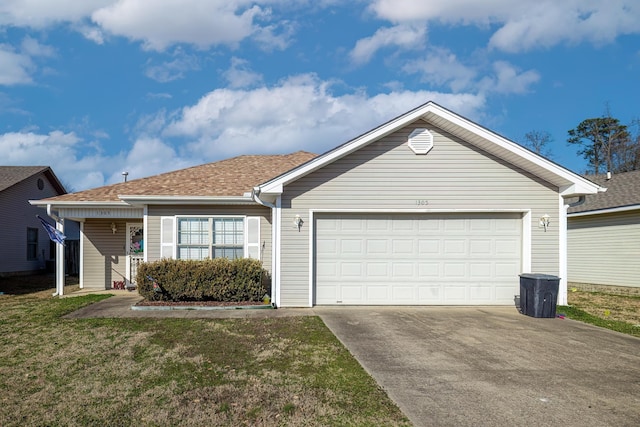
(623, 191)
(230, 178)
(12, 175)
(568, 182)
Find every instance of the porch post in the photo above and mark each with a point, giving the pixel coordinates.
(60, 260)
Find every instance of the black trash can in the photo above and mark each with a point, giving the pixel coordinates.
(538, 294)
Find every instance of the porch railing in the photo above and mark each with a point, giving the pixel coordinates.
(135, 261)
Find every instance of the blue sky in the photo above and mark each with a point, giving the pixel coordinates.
(96, 87)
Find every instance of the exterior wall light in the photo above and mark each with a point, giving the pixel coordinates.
(545, 221)
(297, 221)
(114, 228)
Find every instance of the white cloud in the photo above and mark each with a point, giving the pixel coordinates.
(441, 67)
(508, 79)
(401, 36)
(523, 24)
(175, 69)
(34, 48)
(203, 23)
(15, 68)
(300, 113)
(91, 33)
(149, 156)
(39, 14)
(240, 74)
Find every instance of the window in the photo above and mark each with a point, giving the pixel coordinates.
(213, 237)
(32, 244)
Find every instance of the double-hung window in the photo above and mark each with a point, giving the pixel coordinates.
(32, 244)
(213, 237)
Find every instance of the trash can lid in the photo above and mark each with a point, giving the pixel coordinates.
(539, 276)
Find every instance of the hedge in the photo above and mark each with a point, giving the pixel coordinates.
(218, 279)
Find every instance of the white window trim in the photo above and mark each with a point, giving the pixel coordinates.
(245, 231)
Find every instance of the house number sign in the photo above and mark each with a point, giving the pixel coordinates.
(422, 202)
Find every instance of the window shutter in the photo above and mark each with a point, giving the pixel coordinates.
(253, 237)
(167, 232)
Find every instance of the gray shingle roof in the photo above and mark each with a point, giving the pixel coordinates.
(623, 189)
(12, 175)
(225, 178)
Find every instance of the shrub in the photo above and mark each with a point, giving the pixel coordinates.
(218, 279)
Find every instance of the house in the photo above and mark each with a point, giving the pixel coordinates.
(428, 208)
(604, 234)
(25, 245)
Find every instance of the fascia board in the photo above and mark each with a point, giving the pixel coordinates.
(276, 186)
(575, 184)
(572, 183)
(78, 204)
(604, 211)
(188, 200)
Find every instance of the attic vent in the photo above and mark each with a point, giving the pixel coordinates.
(420, 141)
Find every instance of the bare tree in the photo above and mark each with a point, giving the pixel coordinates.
(538, 141)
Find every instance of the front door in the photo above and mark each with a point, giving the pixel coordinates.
(135, 250)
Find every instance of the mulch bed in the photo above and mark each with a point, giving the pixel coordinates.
(197, 303)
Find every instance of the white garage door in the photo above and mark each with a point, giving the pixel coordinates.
(446, 259)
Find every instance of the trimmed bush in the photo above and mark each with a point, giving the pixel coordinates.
(218, 279)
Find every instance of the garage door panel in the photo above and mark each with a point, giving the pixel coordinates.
(377, 246)
(481, 270)
(455, 293)
(428, 246)
(480, 247)
(402, 246)
(429, 270)
(417, 259)
(481, 293)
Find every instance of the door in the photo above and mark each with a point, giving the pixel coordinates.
(408, 259)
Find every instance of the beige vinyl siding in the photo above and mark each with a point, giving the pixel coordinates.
(104, 253)
(605, 249)
(16, 216)
(156, 212)
(388, 175)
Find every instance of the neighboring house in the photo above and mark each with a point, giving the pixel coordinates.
(604, 234)
(25, 246)
(429, 208)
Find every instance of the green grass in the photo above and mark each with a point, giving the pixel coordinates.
(165, 372)
(576, 313)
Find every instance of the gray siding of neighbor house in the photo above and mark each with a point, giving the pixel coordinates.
(388, 175)
(104, 253)
(154, 213)
(18, 215)
(605, 249)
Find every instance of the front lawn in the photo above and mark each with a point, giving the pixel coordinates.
(267, 372)
(620, 313)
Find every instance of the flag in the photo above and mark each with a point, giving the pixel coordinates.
(54, 235)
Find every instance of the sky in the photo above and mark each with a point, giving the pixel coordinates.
(93, 88)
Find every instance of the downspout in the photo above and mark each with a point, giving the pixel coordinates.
(255, 195)
(578, 202)
(564, 228)
(59, 254)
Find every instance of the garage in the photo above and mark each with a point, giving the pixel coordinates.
(417, 259)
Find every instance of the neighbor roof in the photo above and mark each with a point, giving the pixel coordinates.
(623, 190)
(226, 178)
(12, 175)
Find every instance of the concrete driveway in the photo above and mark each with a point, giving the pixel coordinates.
(493, 366)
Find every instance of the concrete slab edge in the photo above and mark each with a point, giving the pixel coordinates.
(201, 307)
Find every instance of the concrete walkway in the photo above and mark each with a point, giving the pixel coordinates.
(119, 306)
